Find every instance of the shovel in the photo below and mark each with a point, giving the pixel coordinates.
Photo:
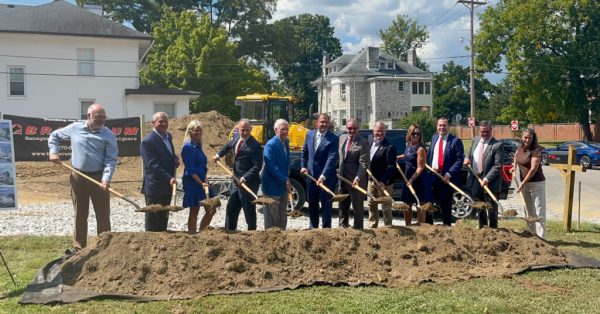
(385, 192)
(377, 200)
(410, 187)
(162, 208)
(526, 218)
(335, 197)
(267, 201)
(456, 188)
(485, 187)
(210, 204)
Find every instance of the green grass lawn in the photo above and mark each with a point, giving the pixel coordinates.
(557, 291)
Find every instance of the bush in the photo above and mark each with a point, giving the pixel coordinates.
(425, 120)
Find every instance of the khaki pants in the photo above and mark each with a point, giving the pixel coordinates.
(81, 192)
(386, 207)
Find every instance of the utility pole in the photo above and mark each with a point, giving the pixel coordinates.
(470, 4)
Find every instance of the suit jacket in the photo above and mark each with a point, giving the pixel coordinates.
(383, 163)
(355, 162)
(159, 164)
(324, 159)
(276, 168)
(454, 155)
(492, 163)
(248, 161)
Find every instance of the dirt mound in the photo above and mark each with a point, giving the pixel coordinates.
(182, 265)
(45, 181)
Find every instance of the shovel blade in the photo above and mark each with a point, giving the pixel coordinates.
(339, 197)
(266, 201)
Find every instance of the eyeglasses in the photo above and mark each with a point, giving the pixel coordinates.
(415, 133)
(352, 128)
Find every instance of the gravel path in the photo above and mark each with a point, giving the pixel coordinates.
(57, 219)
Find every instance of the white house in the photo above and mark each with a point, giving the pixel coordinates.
(373, 86)
(57, 59)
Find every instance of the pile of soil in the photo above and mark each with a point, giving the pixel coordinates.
(182, 265)
(40, 182)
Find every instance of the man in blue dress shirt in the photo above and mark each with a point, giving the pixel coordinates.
(94, 153)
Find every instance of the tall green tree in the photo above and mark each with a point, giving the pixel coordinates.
(550, 48)
(192, 54)
(451, 94)
(403, 35)
(296, 48)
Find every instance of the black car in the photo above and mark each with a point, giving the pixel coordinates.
(510, 148)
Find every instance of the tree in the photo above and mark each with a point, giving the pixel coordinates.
(425, 120)
(190, 53)
(550, 48)
(296, 49)
(451, 94)
(403, 35)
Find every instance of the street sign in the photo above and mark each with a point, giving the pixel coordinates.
(514, 125)
(471, 121)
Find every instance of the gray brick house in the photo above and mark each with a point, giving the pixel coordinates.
(372, 86)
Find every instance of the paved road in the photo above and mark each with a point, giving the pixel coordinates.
(555, 195)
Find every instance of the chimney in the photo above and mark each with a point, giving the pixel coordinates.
(373, 58)
(411, 57)
(325, 62)
(94, 8)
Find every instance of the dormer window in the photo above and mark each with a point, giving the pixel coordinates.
(390, 65)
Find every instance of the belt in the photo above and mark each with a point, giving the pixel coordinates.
(91, 173)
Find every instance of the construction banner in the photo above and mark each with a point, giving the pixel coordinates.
(30, 136)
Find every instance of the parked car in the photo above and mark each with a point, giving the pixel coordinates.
(588, 154)
(460, 207)
(510, 147)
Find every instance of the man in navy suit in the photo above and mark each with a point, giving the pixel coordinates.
(275, 175)
(160, 161)
(446, 157)
(319, 159)
(248, 162)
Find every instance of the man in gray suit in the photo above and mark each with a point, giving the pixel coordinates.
(354, 162)
(485, 156)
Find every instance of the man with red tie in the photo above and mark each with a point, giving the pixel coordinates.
(446, 157)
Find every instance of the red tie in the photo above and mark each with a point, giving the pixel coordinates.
(441, 154)
(348, 144)
(239, 146)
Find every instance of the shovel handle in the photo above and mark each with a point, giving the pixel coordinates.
(485, 187)
(323, 186)
(174, 194)
(410, 187)
(356, 187)
(242, 184)
(377, 182)
(456, 188)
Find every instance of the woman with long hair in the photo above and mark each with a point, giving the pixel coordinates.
(528, 158)
(194, 175)
(415, 156)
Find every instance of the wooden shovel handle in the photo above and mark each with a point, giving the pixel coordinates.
(377, 182)
(456, 188)
(485, 187)
(358, 188)
(174, 194)
(323, 186)
(410, 187)
(242, 184)
(91, 179)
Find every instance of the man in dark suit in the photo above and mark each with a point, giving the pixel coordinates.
(248, 160)
(160, 161)
(446, 157)
(485, 156)
(319, 159)
(382, 166)
(354, 162)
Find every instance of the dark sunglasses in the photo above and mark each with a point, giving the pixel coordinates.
(415, 133)
(352, 128)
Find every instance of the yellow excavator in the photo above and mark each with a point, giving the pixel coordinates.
(262, 110)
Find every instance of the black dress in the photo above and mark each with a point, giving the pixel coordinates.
(410, 161)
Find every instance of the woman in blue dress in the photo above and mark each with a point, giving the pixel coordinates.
(415, 156)
(194, 175)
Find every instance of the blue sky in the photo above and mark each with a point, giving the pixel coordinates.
(357, 23)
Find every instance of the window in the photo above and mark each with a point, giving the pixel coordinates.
(421, 88)
(427, 88)
(390, 65)
(342, 89)
(342, 117)
(415, 87)
(401, 86)
(85, 104)
(169, 109)
(86, 62)
(16, 81)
